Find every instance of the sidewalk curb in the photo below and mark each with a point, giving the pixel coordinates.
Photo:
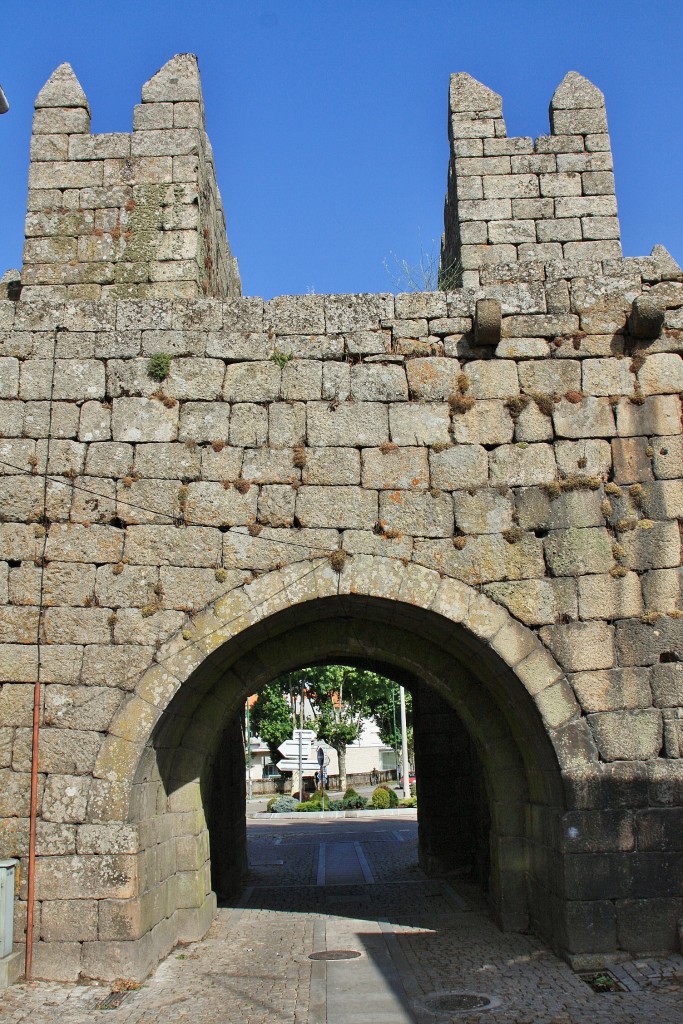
(392, 812)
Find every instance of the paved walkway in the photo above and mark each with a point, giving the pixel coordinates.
(353, 884)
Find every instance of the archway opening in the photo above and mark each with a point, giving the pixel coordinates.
(354, 713)
(480, 735)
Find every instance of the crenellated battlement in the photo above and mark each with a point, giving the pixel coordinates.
(126, 215)
(514, 200)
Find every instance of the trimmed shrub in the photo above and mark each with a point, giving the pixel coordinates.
(349, 793)
(315, 804)
(283, 805)
(354, 802)
(410, 802)
(380, 799)
(383, 797)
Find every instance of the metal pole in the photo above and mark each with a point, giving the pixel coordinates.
(248, 731)
(301, 740)
(404, 746)
(393, 711)
(321, 767)
(37, 704)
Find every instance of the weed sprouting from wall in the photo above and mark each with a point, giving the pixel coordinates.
(159, 366)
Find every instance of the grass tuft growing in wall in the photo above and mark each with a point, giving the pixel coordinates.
(159, 365)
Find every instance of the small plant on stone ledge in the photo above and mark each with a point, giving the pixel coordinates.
(637, 494)
(516, 406)
(280, 358)
(159, 365)
(460, 403)
(387, 447)
(545, 403)
(166, 400)
(427, 275)
(337, 559)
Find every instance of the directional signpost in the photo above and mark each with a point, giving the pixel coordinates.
(308, 767)
(290, 749)
(297, 753)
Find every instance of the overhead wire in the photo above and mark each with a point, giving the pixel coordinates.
(180, 519)
(177, 518)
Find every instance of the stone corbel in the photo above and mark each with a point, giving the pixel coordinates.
(647, 317)
(488, 321)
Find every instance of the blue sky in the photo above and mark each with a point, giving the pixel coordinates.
(328, 119)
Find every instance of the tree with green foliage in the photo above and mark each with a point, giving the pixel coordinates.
(387, 715)
(340, 698)
(271, 717)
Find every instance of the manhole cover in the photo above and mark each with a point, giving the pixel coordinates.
(112, 1001)
(458, 1002)
(335, 954)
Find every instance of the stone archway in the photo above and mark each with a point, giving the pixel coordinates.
(508, 692)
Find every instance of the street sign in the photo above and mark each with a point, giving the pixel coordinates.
(298, 747)
(290, 748)
(321, 756)
(292, 765)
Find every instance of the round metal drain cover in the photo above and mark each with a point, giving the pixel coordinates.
(449, 1003)
(335, 954)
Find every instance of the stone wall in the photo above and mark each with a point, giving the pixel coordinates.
(496, 467)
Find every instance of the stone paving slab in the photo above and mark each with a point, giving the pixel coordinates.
(418, 938)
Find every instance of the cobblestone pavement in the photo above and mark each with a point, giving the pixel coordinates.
(354, 884)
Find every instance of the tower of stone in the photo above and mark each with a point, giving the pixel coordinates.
(126, 215)
(511, 200)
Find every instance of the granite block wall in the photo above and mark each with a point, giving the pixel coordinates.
(196, 490)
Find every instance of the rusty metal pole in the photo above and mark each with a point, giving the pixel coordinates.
(35, 736)
(33, 826)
